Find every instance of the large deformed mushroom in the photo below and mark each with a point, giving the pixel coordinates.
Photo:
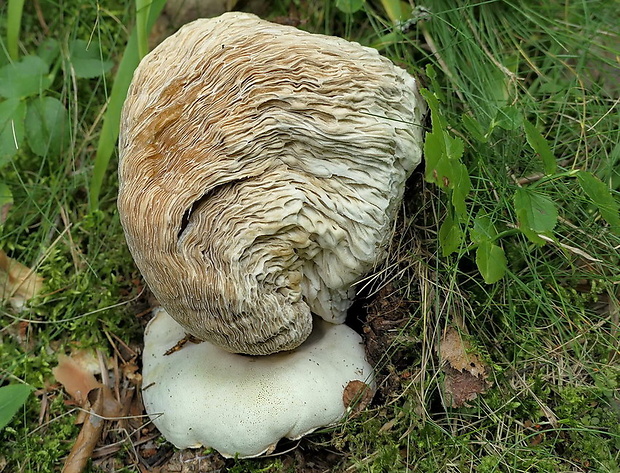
(260, 171)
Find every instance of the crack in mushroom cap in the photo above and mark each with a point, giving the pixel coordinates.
(260, 170)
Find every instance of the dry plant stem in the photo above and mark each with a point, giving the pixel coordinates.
(614, 319)
(41, 18)
(88, 436)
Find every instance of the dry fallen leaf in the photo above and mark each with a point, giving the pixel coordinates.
(18, 283)
(77, 379)
(466, 375)
(102, 405)
(356, 395)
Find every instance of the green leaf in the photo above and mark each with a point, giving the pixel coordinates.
(84, 58)
(450, 235)
(6, 200)
(474, 128)
(491, 262)
(12, 114)
(24, 78)
(47, 127)
(461, 185)
(349, 6)
(509, 118)
(601, 196)
(483, 229)
(49, 50)
(432, 100)
(437, 162)
(443, 158)
(437, 94)
(12, 397)
(540, 146)
(536, 213)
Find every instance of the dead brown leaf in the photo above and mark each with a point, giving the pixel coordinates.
(466, 375)
(18, 283)
(102, 405)
(77, 379)
(356, 395)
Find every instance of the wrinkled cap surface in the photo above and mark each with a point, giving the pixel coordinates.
(201, 395)
(260, 171)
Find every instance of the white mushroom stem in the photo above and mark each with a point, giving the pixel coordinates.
(201, 395)
(260, 171)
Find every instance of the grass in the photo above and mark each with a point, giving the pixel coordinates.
(548, 330)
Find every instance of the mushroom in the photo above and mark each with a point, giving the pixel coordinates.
(201, 395)
(260, 171)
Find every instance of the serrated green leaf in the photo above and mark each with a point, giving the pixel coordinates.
(491, 262)
(431, 73)
(12, 114)
(84, 58)
(24, 78)
(454, 147)
(349, 6)
(536, 213)
(601, 196)
(450, 236)
(437, 119)
(540, 146)
(483, 229)
(47, 127)
(474, 128)
(509, 118)
(12, 397)
(443, 157)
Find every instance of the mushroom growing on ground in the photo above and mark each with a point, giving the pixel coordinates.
(260, 171)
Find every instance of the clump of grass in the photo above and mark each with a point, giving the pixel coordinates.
(549, 326)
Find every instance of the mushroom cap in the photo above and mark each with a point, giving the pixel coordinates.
(201, 395)
(260, 171)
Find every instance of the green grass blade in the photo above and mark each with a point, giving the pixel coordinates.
(111, 121)
(396, 9)
(143, 7)
(14, 21)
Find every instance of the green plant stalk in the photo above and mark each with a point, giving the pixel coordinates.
(395, 9)
(143, 8)
(112, 118)
(14, 21)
